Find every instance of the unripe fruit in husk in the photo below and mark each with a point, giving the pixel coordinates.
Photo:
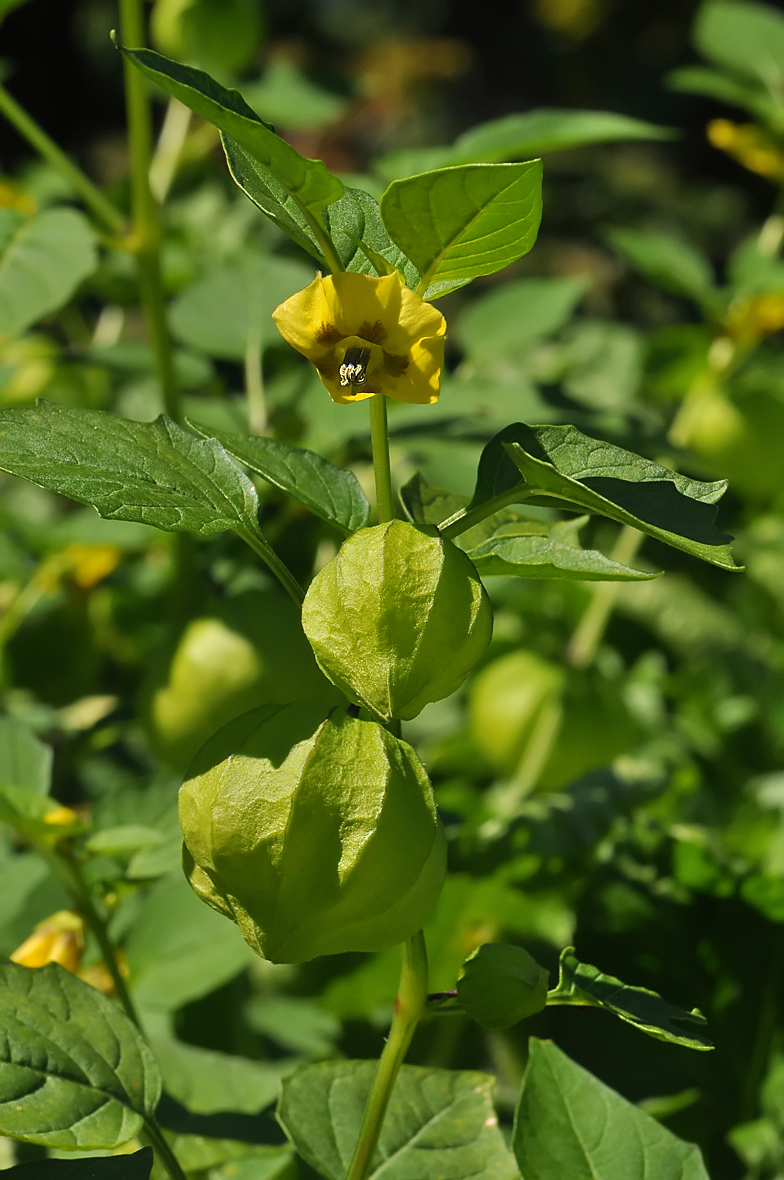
(315, 835)
(505, 702)
(249, 652)
(499, 985)
(398, 618)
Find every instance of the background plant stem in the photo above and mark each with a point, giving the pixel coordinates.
(409, 1005)
(101, 207)
(169, 1160)
(379, 438)
(146, 219)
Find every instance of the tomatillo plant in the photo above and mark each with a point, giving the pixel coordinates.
(307, 819)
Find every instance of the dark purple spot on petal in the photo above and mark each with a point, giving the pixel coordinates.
(329, 334)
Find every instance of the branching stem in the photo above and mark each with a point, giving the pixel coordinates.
(409, 1006)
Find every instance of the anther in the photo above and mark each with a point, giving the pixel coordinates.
(353, 371)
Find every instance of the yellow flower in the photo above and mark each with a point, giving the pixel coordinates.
(60, 939)
(366, 336)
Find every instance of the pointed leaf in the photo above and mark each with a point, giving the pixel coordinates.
(439, 1123)
(306, 181)
(458, 223)
(580, 983)
(43, 259)
(746, 38)
(749, 96)
(74, 1072)
(521, 137)
(545, 549)
(331, 492)
(112, 1167)
(562, 466)
(153, 472)
(508, 320)
(424, 504)
(568, 1123)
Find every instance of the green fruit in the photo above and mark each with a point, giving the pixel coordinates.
(398, 618)
(499, 985)
(316, 836)
(505, 702)
(221, 36)
(250, 652)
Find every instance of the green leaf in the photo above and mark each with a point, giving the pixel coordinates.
(507, 321)
(356, 218)
(580, 983)
(458, 223)
(568, 1123)
(299, 1025)
(153, 472)
(746, 38)
(74, 1072)
(671, 263)
(330, 492)
(522, 136)
(179, 949)
(439, 1122)
(124, 840)
(24, 761)
(113, 1167)
(207, 1082)
(306, 182)
(231, 307)
(748, 96)
(287, 96)
(564, 467)
(43, 259)
(546, 549)
(424, 504)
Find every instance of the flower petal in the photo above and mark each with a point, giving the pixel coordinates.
(300, 318)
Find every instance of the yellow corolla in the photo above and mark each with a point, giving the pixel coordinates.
(366, 336)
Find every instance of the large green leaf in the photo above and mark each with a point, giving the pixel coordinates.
(43, 259)
(580, 983)
(231, 307)
(74, 1071)
(746, 38)
(458, 223)
(522, 136)
(568, 1123)
(156, 472)
(673, 264)
(24, 761)
(111, 1167)
(547, 549)
(748, 95)
(306, 182)
(179, 949)
(331, 492)
(439, 1123)
(562, 466)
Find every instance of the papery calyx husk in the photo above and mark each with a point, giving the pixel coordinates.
(398, 618)
(316, 834)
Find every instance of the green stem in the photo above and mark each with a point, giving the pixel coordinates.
(583, 645)
(465, 519)
(271, 559)
(69, 873)
(254, 381)
(379, 438)
(146, 219)
(331, 256)
(102, 208)
(168, 150)
(157, 1141)
(409, 1006)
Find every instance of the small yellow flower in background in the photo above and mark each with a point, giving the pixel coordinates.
(366, 336)
(59, 939)
(755, 318)
(750, 146)
(63, 816)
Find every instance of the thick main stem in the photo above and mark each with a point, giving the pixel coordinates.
(379, 438)
(169, 1160)
(146, 219)
(99, 205)
(409, 1006)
